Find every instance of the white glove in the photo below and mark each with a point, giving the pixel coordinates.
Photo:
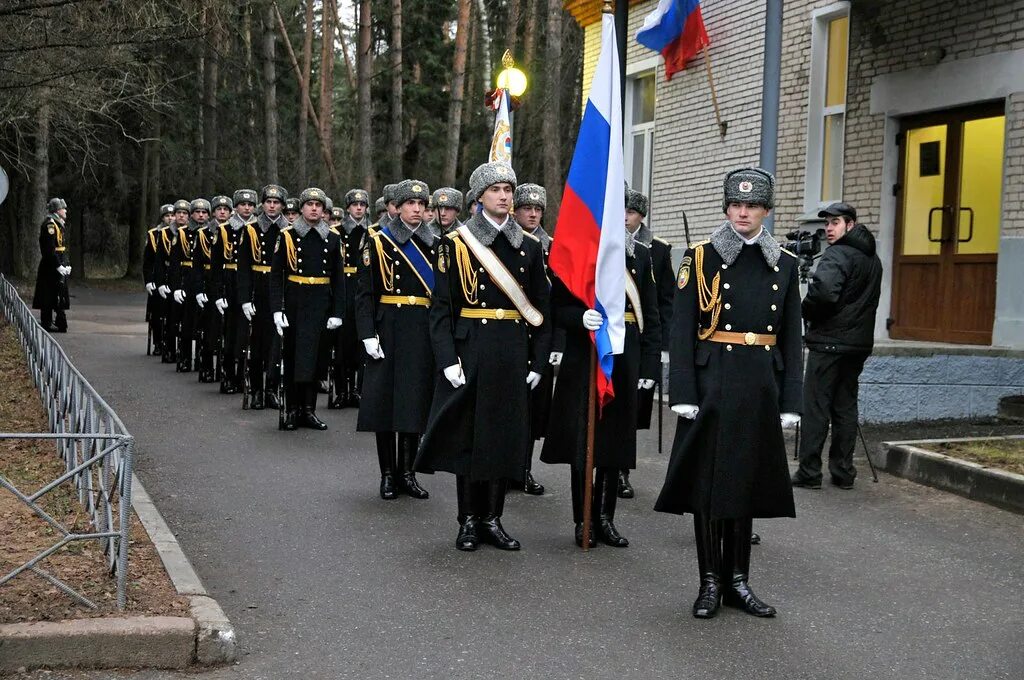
(664, 357)
(179, 296)
(372, 347)
(67, 270)
(789, 420)
(249, 309)
(222, 305)
(645, 384)
(533, 379)
(555, 359)
(592, 319)
(64, 270)
(201, 300)
(281, 321)
(455, 375)
(150, 287)
(164, 291)
(688, 411)
(333, 322)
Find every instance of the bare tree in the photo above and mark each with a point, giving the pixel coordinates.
(211, 133)
(364, 65)
(396, 144)
(458, 93)
(250, 93)
(326, 75)
(29, 256)
(512, 37)
(270, 96)
(339, 28)
(304, 80)
(552, 119)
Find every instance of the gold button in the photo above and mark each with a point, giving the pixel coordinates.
(482, 286)
(728, 326)
(398, 276)
(522, 269)
(776, 268)
(632, 271)
(399, 291)
(483, 304)
(769, 327)
(768, 348)
(499, 313)
(750, 338)
(726, 286)
(775, 286)
(481, 270)
(484, 321)
(728, 305)
(728, 348)
(725, 266)
(412, 299)
(774, 307)
(522, 253)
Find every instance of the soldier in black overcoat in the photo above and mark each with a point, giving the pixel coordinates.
(491, 335)
(530, 203)
(349, 355)
(162, 273)
(255, 252)
(223, 292)
(51, 293)
(615, 430)
(186, 281)
(447, 206)
(208, 272)
(736, 381)
(155, 304)
(392, 303)
(665, 280)
(307, 294)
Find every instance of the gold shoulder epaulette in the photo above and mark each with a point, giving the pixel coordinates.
(787, 252)
(288, 228)
(662, 241)
(694, 246)
(528, 235)
(334, 230)
(639, 243)
(452, 235)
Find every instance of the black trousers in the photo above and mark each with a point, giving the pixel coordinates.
(46, 315)
(830, 394)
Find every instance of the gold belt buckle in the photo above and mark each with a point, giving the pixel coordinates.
(750, 338)
(412, 299)
(499, 314)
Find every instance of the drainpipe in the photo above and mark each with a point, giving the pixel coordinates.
(772, 77)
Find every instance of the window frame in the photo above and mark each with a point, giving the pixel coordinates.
(635, 71)
(817, 112)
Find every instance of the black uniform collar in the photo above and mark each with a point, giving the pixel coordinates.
(485, 231)
(728, 244)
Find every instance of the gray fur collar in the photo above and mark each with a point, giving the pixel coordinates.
(729, 244)
(302, 227)
(264, 222)
(452, 227)
(56, 218)
(426, 233)
(545, 238)
(237, 222)
(348, 224)
(194, 226)
(485, 232)
(644, 234)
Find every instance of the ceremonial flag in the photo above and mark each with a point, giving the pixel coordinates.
(675, 29)
(501, 142)
(589, 253)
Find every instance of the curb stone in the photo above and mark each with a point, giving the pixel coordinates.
(988, 485)
(205, 638)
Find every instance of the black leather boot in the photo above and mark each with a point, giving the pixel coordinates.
(353, 390)
(576, 478)
(491, 529)
(386, 460)
(625, 489)
(290, 422)
(307, 411)
(736, 548)
(605, 497)
(709, 562)
(407, 484)
(531, 486)
(270, 397)
(469, 523)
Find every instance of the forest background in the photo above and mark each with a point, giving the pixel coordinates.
(119, 107)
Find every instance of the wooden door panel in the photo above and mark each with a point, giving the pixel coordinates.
(917, 310)
(971, 300)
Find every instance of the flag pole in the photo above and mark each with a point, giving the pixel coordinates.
(714, 95)
(588, 466)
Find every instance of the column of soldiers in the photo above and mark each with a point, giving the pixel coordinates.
(457, 343)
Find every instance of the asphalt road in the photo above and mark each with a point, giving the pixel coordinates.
(322, 579)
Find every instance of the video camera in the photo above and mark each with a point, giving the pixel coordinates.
(806, 245)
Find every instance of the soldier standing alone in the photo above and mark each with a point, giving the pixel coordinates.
(51, 294)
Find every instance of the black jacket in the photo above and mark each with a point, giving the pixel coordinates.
(843, 296)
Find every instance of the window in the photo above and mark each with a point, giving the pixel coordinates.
(639, 122)
(826, 123)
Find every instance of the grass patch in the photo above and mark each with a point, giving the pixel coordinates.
(1004, 454)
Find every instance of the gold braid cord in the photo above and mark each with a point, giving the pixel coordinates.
(254, 244)
(289, 249)
(59, 234)
(204, 244)
(387, 267)
(708, 298)
(186, 247)
(168, 243)
(467, 272)
(227, 244)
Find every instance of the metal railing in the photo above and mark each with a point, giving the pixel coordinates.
(92, 442)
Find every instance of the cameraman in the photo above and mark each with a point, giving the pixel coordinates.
(839, 311)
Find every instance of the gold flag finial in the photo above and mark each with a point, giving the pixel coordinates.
(506, 59)
(607, 9)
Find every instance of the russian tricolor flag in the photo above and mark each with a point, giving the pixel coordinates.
(589, 253)
(676, 30)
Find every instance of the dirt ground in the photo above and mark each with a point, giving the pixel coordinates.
(1004, 454)
(29, 465)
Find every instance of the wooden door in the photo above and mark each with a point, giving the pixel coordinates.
(947, 230)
